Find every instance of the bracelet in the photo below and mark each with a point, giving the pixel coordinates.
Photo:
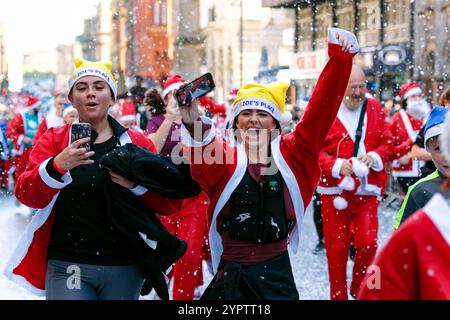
(61, 171)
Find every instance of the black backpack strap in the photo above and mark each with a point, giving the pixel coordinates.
(358, 134)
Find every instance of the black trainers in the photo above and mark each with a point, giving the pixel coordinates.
(319, 248)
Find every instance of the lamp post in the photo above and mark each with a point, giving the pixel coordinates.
(241, 43)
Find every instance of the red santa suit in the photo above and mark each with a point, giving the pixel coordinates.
(220, 166)
(404, 131)
(415, 263)
(28, 264)
(50, 121)
(24, 124)
(361, 212)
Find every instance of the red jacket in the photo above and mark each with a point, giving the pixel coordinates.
(295, 154)
(36, 189)
(415, 262)
(15, 132)
(376, 141)
(403, 142)
(51, 120)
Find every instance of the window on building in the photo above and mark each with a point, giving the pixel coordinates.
(163, 12)
(156, 12)
(212, 14)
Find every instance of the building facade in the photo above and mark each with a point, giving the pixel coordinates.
(190, 38)
(401, 40)
(432, 46)
(150, 39)
(3, 63)
(242, 39)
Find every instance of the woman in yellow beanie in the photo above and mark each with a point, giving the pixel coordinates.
(71, 248)
(260, 183)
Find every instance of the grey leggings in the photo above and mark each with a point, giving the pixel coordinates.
(77, 281)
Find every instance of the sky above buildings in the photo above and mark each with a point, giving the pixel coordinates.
(36, 25)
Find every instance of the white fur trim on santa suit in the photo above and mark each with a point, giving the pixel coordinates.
(37, 221)
(129, 117)
(336, 171)
(346, 122)
(407, 123)
(349, 37)
(347, 183)
(187, 140)
(52, 183)
(412, 92)
(414, 172)
(377, 162)
(20, 140)
(438, 210)
(173, 86)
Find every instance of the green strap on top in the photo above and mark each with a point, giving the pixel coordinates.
(399, 215)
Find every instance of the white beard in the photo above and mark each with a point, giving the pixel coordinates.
(418, 109)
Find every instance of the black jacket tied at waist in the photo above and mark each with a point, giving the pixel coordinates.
(268, 280)
(155, 247)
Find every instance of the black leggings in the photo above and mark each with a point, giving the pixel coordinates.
(77, 281)
(317, 206)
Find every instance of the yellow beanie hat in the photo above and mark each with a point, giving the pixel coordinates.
(101, 69)
(269, 98)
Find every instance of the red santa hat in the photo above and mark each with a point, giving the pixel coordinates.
(407, 90)
(31, 102)
(174, 82)
(232, 94)
(128, 112)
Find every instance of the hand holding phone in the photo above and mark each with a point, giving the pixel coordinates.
(194, 89)
(77, 153)
(80, 131)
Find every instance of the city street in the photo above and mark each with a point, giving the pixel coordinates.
(310, 270)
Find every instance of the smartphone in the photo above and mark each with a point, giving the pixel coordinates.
(195, 89)
(80, 131)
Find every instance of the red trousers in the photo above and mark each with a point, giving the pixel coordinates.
(359, 223)
(190, 224)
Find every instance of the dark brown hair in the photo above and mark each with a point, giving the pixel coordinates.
(154, 102)
(444, 96)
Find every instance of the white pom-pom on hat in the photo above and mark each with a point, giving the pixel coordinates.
(340, 203)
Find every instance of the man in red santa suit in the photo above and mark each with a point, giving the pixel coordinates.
(54, 118)
(405, 125)
(415, 263)
(364, 166)
(21, 131)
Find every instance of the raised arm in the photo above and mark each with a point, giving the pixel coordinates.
(326, 99)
